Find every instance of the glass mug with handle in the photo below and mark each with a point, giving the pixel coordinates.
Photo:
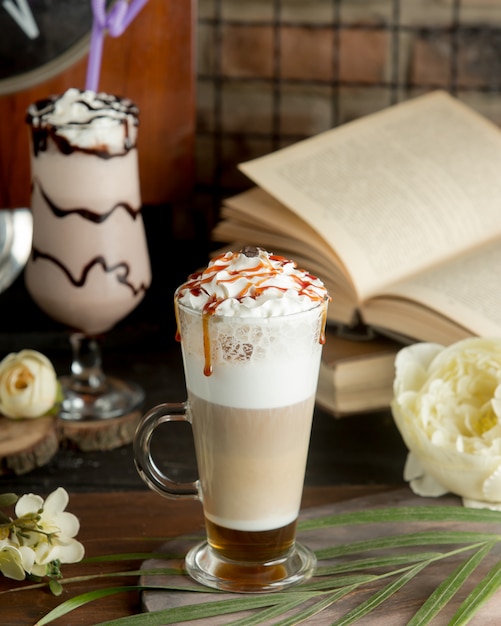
(251, 376)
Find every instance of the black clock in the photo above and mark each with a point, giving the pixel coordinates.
(40, 38)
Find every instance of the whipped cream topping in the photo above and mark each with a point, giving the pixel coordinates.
(251, 283)
(84, 120)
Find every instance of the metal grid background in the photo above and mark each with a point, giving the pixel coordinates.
(454, 31)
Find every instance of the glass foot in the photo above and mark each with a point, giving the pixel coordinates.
(207, 567)
(112, 398)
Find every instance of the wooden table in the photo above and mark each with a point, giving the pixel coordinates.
(120, 522)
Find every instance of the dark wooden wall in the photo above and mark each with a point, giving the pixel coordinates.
(153, 64)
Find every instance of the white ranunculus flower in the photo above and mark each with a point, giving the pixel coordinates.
(28, 385)
(52, 537)
(447, 406)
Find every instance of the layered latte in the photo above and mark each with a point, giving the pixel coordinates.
(251, 326)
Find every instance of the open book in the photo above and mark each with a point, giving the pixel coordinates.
(398, 212)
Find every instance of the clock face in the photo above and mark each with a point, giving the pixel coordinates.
(40, 38)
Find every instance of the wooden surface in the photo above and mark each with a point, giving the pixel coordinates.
(151, 63)
(112, 523)
(395, 612)
(105, 434)
(121, 522)
(26, 444)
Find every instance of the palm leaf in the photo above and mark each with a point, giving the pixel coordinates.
(379, 597)
(485, 589)
(269, 613)
(74, 603)
(407, 540)
(449, 587)
(205, 609)
(315, 608)
(403, 514)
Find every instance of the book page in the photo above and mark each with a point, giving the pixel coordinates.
(466, 291)
(260, 208)
(395, 192)
(250, 218)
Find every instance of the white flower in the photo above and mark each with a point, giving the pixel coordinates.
(49, 530)
(28, 384)
(447, 406)
(15, 561)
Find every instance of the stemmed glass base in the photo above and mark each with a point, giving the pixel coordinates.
(211, 569)
(88, 394)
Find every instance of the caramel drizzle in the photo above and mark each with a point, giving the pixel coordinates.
(207, 345)
(98, 260)
(197, 280)
(260, 274)
(322, 337)
(87, 214)
(206, 337)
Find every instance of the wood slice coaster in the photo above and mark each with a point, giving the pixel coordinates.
(105, 434)
(27, 443)
(396, 611)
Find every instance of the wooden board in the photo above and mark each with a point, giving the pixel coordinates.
(26, 444)
(105, 434)
(395, 612)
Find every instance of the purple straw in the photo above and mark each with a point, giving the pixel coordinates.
(115, 22)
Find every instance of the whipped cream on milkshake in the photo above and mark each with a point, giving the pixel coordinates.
(252, 327)
(84, 121)
(89, 266)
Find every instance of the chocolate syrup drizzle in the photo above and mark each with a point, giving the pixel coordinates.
(122, 110)
(97, 218)
(98, 260)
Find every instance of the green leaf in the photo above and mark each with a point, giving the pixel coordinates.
(449, 587)
(405, 541)
(55, 587)
(8, 499)
(315, 608)
(74, 603)
(162, 571)
(376, 562)
(378, 598)
(329, 583)
(485, 589)
(205, 609)
(269, 613)
(403, 514)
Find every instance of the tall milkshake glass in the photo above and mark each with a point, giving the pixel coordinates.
(89, 265)
(251, 328)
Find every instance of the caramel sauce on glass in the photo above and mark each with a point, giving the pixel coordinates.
(255, 287)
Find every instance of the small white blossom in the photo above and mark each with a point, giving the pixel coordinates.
(447, 406)
(49, 530)
(12, 563)
(28, 384)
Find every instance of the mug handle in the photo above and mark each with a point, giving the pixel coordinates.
(146, 466)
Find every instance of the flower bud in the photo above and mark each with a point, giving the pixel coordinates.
(28, 385)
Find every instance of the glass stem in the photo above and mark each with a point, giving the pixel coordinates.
(86, 368)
